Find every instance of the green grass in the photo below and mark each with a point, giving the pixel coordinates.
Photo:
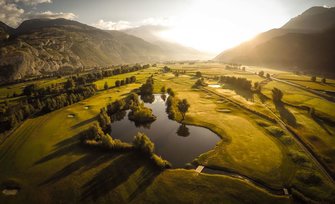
(18, 88)
(209, 189)
(44, 157)
(296, 96)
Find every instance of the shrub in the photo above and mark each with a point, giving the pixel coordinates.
(143, 144)
(170, 92)
(161, 163)
(94, 136)
(275, 131)
(141, 114)
(298, 157)
(309, 178)
(163, 89)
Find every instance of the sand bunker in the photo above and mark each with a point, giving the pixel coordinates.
(71, 116)
(10, 192)
(224, 110)
(214, 85)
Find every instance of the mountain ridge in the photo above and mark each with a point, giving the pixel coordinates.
(304, 28)
(41, 46)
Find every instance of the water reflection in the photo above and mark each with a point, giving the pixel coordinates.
(183, 131)
(175, 142)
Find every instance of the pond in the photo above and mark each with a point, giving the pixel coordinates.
(214, 85)
(179, 144)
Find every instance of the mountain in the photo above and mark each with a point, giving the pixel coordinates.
(315, 19)
(175, 51)
(5, 31)
(43, 45)
(305, 42)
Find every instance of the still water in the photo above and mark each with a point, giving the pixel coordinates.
(179, 144)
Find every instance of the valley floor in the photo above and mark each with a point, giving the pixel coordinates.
(44, 157)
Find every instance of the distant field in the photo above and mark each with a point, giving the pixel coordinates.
(297, 96)
(18, 88)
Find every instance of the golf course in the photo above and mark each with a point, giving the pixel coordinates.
(262, 154)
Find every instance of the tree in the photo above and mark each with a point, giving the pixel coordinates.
(313, 78)
(198, 74)
(268, 75)
(106, 85)
(147, 88)
(163, 89)
(142, 143)
(30, 90)
(323, 80)
(69, 84)
(277, 95)
(170, 92)
(117, 83)
(261, 73)
(183, 107)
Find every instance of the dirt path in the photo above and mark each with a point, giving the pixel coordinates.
(274, 191)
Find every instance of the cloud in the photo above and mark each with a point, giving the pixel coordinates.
(50, 15)
(122, 25)
(110, 25)
(166, 21)
(10, 13)
(33, 2)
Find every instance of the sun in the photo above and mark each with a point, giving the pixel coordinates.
(215, 25)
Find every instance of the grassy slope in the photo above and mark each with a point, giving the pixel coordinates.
(245, 151)
(297, 96)
(44, 157)
(186, 185)
(248, 150)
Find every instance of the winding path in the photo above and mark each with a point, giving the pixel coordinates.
(275, 191)
(284, 126)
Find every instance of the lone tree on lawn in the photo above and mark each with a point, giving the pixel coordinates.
(106, 85)
(313, 78)
(323, 80)
(198, 74)
(277, 95)
(183, 107)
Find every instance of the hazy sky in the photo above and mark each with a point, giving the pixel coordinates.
(209, 25)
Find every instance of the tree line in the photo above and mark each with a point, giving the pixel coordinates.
(236, 81)
(43, 100)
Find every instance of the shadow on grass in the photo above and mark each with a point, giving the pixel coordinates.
(65, 147)
(112, 176)
(82, 123)
(90, 158)
(286, 115)
(146, 178)
(88, 161)
(321, 124)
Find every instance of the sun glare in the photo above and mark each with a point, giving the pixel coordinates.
(215, 25)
